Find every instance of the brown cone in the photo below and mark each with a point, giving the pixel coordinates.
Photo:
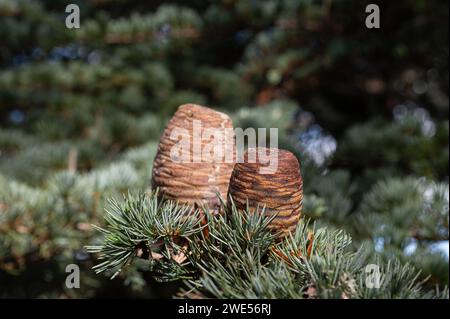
(281, 192)
(194, 183)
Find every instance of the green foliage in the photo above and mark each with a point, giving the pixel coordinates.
(417, 209)
(407, 146)
(139, 223)
(82, 110)
(234, 255)
(46, 226)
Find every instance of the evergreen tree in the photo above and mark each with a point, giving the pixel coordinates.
(365, 111)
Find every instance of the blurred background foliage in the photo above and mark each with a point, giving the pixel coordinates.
(81, 111)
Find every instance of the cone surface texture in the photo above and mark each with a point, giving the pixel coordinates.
(197, 180)
(280, 192)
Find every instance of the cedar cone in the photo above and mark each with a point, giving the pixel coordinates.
(193, 183)
(281, 192)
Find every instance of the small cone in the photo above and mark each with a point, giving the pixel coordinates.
(281, 191)
(196, 180)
